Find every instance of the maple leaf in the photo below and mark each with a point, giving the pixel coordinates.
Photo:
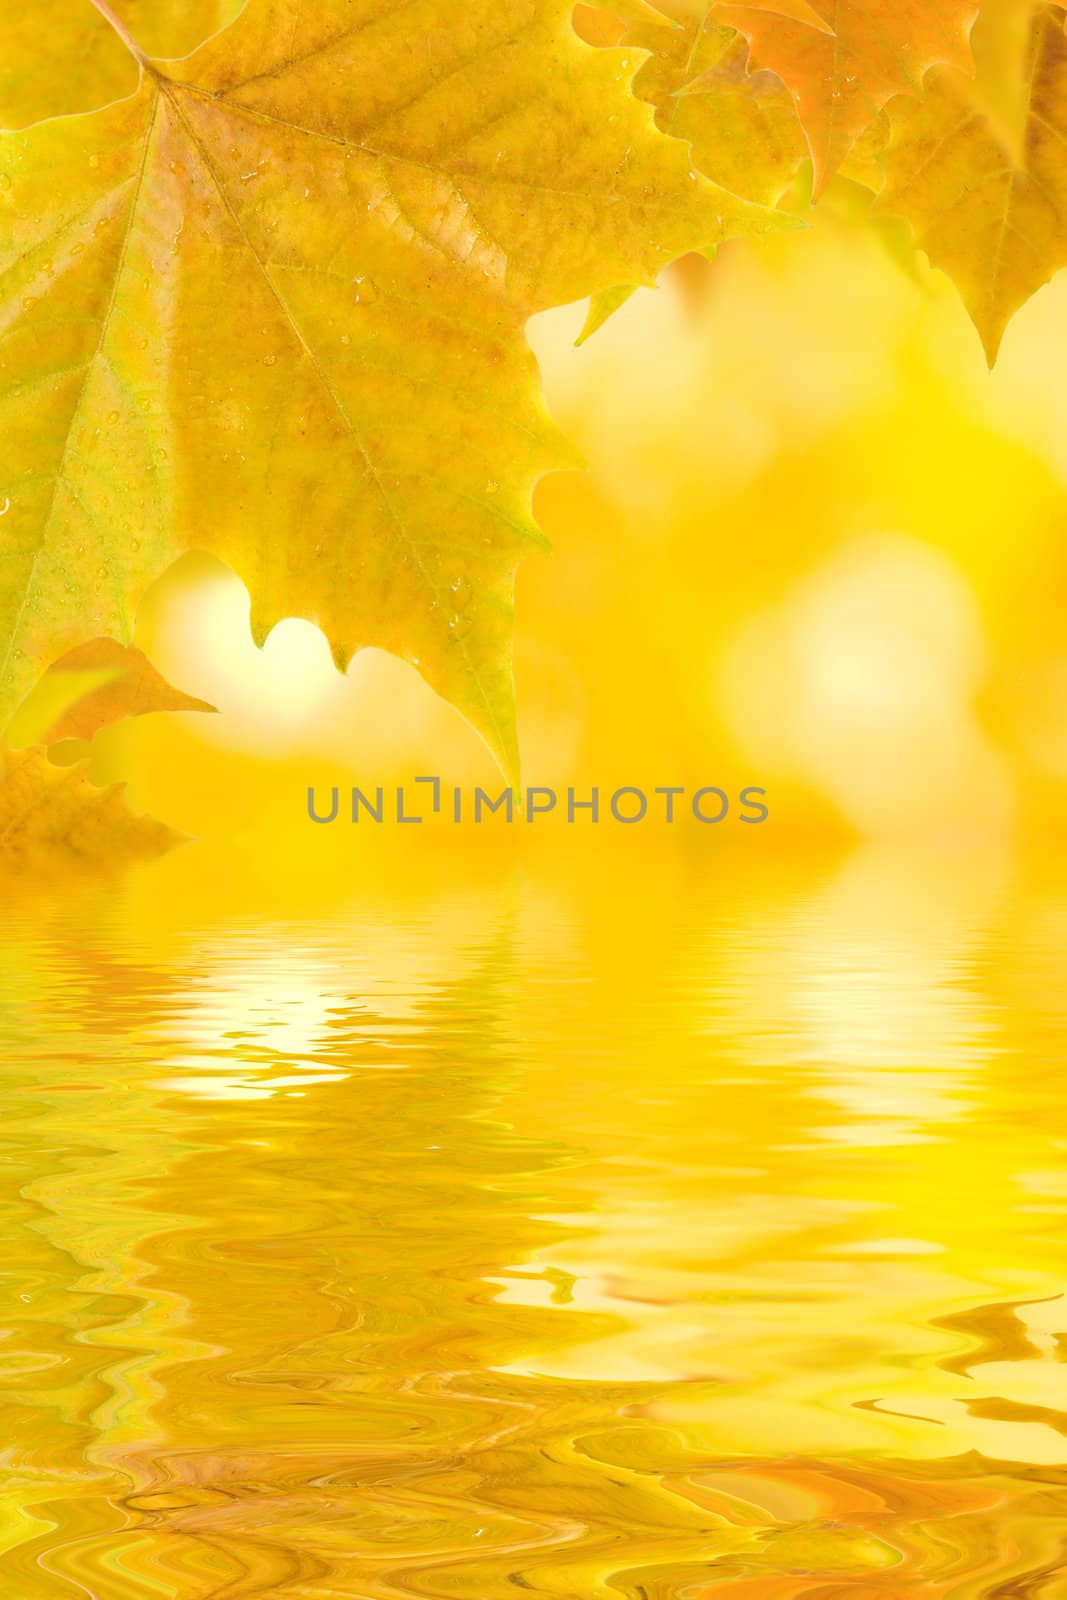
(843, 60)
(40, 48)
(603, 305)
(54, 818)
(99, 683)
(993, 219)
(742, 125)
(273, 305)
(58, 56)
(1000, 43)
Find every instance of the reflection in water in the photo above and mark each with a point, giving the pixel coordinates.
(693, 1237)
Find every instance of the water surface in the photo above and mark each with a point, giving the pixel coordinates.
(653, 1234)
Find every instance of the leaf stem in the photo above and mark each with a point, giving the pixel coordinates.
(121, 29)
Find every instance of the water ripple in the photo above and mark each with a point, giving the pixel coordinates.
(702, 1242)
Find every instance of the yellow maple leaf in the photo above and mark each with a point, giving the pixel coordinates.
(60, 56)
(1000, 43)
(842, 60)
(742, 125)
(993, 219)
(273, 305)
(54, 818)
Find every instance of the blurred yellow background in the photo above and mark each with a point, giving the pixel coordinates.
(817, 547)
